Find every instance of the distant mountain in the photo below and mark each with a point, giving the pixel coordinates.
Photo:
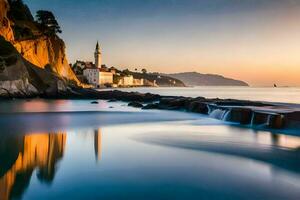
(198, 79)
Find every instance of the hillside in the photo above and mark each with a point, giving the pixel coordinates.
(198, 79)
(161, 80)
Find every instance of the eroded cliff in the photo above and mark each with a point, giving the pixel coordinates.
(47, 51)
(5, 24)
(31, 62)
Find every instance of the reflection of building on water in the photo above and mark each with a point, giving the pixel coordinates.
(97, 143)
(20, 156)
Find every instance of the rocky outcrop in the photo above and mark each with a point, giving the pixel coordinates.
(47, 52)
(20, 78)
(5, 24)
(44, 52)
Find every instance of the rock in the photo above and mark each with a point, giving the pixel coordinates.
(276, 121)
(172, 103)
(260, 118)
(112, 100)
(198, 107)
(292, 119)
(50, 51)
(234, 102)
(240, 115)
(5, 25)
(135, 104)
(94, 102)
(150, 106)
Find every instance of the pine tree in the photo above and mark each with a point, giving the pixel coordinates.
(48, 23)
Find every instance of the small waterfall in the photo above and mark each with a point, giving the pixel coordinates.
(252, 120)
(219, 114)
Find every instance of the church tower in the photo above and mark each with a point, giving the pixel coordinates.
(98, 58)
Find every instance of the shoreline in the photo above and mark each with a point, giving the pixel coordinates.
(252, 113)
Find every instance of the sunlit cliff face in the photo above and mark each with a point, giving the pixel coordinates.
(38, 151)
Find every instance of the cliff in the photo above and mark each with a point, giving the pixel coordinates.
(198, 79)
(31, 62)
(5, 24)
(47, 51)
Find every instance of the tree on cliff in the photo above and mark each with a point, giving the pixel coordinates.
(19, 11)
(48, 23)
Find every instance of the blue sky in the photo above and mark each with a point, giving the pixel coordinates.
(230, 37)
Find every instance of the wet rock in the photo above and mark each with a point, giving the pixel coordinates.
(112, 100)
(292, 119)
(259, 118)
(172, 103)
(198, 107)
(151, 106)
(135, 104)
(240, 115)
(276, 121)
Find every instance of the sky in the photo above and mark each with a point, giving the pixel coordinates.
(257, 41)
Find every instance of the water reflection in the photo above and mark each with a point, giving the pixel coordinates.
(21, 155)
(219, 162)
(97, 143)
(36, 151)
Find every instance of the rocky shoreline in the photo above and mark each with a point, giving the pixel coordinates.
(252, 113)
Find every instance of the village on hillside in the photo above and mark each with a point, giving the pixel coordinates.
(98, 75)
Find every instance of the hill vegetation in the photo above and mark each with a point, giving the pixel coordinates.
(198, 79)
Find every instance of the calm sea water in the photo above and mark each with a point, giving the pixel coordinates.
(79, 150)
(282, 95)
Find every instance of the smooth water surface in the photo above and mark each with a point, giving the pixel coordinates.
(269, 94)
(140, 155)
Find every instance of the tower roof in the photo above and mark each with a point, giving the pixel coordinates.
(97, 46)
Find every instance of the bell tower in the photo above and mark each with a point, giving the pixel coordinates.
(98, 57)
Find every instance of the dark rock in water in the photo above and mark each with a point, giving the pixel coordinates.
(172, 103)
(198, 107)
(260, 118)
(293, 119)
(112, 100)
(151, 106)
(234, 102)
(240, 115)
(135, 104)
(276, 121)
(94, 102)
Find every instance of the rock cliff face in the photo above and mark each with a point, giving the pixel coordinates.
(31, 66)
(20, 78)
(45, 51)
(5, 24)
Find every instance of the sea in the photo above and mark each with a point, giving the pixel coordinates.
(72, 149)
(267, 94)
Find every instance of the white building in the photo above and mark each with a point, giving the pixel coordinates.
(126, 81)
(95, 75)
